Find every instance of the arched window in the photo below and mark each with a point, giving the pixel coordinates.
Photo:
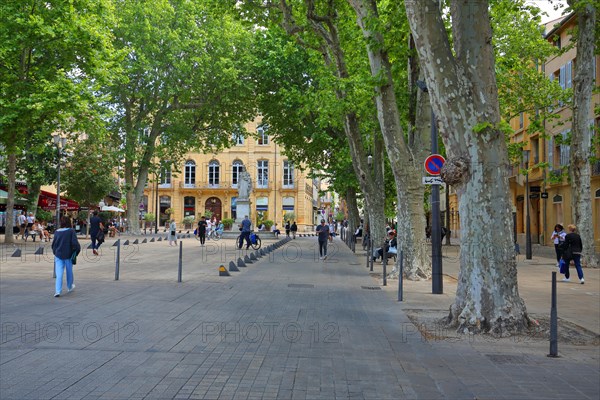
(213, 173)
(190, 174)
(189, 206)
(236, 170)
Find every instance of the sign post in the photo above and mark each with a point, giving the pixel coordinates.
(433, 166)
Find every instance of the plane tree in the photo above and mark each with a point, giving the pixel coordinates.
(183, 85)
(54, 56)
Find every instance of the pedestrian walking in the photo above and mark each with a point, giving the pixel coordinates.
(172, 233)
(323, 233)
(572, 251)
(331, 230)
(294, 229)
(96, 226)
(202, 225)
(246, 228)
(558, 237)
(65, 248)
(287, 228)
(22, 224)
(29, 226)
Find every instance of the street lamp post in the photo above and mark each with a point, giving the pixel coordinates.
(528, 254)
(60, 142)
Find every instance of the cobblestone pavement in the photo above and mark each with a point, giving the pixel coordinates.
(288, 326)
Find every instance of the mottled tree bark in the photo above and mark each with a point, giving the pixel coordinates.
(10, 202)
(462, 86)
(406, 161)
(582, 131)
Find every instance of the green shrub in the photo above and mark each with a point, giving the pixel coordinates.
(149, 217)
(228, 222)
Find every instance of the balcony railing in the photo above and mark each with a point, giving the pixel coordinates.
(207, 185)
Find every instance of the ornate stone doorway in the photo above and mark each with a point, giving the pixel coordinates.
(214, 204)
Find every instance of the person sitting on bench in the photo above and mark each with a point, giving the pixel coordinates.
(391, 246)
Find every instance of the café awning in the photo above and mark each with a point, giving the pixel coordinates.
(47, 201)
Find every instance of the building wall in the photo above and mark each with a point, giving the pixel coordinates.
(204, 193)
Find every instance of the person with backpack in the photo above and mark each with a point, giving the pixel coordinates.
(287, 228)
(65, 248)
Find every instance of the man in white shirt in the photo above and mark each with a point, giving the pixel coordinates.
(22, 219)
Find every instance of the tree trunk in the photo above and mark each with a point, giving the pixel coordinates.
(353, 214)
(405, 162)
(581, 132)
(10, 202)
(34, 196)
(462, 86)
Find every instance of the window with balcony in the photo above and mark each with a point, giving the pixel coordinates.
(189, 177)
(288, 174)
(263, 136)
(213, 173)
(236, 170)
(262, 179)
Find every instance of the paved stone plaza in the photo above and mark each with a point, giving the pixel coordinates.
(286, 327)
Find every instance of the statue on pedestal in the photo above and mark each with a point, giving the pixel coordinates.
(244, 185)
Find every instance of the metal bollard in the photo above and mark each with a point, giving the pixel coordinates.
(179, 271)
(368, 253)
(400, 276)
(553, 321)
(384, 265)
(118, 260)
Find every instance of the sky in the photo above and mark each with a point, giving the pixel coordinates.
(548, 6)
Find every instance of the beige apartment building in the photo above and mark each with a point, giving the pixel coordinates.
(210, 182)
(549, 188)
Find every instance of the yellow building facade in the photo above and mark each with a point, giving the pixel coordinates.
(210, 182)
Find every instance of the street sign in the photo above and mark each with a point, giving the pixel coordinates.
(534, 196)
(544, 195)
(434, 164)
(432, 180)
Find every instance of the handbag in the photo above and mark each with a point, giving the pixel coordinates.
(562, 264)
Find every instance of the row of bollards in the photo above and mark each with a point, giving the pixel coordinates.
(252, 258)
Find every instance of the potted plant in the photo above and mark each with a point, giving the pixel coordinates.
(228, 223)
(149, 218)
(188, 221)
(289, 216)
(268, 224)
(169, 211)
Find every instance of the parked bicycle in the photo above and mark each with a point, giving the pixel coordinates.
(255, 241)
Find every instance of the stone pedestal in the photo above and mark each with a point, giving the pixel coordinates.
(242, 209)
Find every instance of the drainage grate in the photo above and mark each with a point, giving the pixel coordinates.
(370, 287)
(301, 285)
(507, 359)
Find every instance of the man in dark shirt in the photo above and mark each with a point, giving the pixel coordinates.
(323, 232)
(246, 226)
(95, 227)
(202, 230)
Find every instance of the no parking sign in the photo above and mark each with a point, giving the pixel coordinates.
(434, 163)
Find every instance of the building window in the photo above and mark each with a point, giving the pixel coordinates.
(262, 180)
(189, 206)
(564, 150)
(237, 138)
(288, 174)
(236, 170)
(190, 174)
(165, 175)
(213, 173)
(263, 136)
(521, 120)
